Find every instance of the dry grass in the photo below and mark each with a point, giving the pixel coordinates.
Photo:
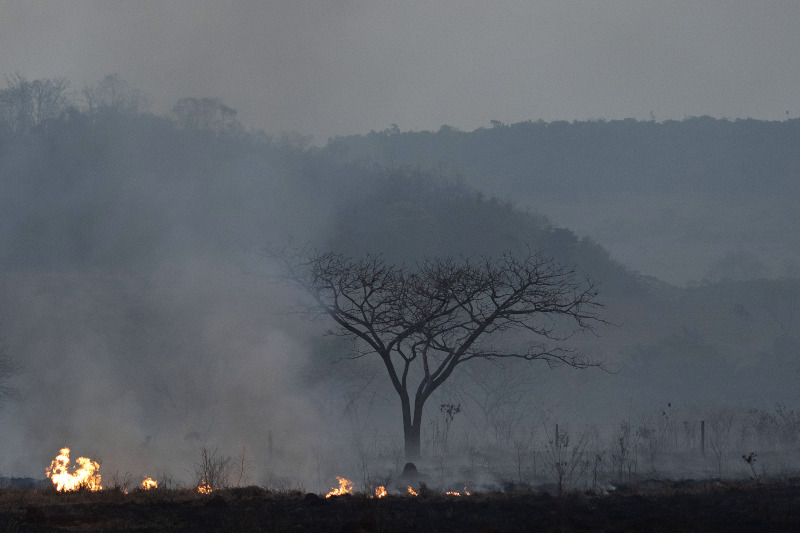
(652, 505)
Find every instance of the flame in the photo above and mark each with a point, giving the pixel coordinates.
(412, 491)
(204, 488)
(86, 476)
(149, 483)
(380, 491)
(345, 486)
(455, 493)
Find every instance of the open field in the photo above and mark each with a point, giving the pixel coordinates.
(653, 506)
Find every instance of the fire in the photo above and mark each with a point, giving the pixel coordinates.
(380, 491)
(455, 493)
(86, 476)
(204, 488)
(149, 483)
(345, 486)
(412, 491)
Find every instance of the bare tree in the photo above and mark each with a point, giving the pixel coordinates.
(495, 388)
(113, 94)
(211, 470)
(51, 99)
(423, 322)
(25, 104)
(208, 114)
(16, 103)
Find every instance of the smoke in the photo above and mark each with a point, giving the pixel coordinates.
(150, 324)
(136, 294)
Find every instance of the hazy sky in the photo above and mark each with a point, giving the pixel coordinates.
(347, 66)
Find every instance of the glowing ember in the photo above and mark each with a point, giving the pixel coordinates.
(86, 476)
(380, 491)
(204, 488)
(148, 484)
(345, 486)
(454, 493)
(412, 491)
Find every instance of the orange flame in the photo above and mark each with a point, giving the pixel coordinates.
(204, 488)
(412, 491)
(380, 491)
(86, 476)
(345, 486)
(149, 483)
(455, 493)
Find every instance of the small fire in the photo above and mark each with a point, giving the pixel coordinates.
(412, 491)
(149, 483)
(380, 491)
(86, 476)
(204, 488)
(345, 486)
(455, 493)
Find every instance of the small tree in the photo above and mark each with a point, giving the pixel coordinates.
(423, 322)
(211, 470)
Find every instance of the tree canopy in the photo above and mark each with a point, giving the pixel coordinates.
(424, 321)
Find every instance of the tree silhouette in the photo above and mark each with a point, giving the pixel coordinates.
(424, 321)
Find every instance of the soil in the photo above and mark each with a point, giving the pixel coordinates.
(655, 506)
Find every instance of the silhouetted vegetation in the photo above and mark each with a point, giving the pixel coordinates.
(135, 241)
(688, 200)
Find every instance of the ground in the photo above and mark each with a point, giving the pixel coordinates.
(656, 506)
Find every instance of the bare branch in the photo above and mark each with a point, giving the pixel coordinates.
(445, 311)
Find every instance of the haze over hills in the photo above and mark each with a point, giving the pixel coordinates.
(680, 200)
(136, 293)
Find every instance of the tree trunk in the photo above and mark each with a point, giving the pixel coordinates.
(412, 447)
(411, 430)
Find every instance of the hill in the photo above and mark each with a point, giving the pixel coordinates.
(135, 290)
(684, 200)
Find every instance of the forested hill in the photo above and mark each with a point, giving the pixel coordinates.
(682, 200)
(114, 188)
(732, 157)
(132, 245)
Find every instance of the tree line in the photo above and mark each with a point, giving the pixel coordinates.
(33, 104)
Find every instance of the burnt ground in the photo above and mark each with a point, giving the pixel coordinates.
(663, 506)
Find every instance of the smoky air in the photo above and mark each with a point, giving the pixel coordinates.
(554, 304)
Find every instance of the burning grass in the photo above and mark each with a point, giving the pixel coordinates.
(87, 476)
(345, 487)
(699, 506)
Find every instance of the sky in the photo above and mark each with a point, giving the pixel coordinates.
(340, 67)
